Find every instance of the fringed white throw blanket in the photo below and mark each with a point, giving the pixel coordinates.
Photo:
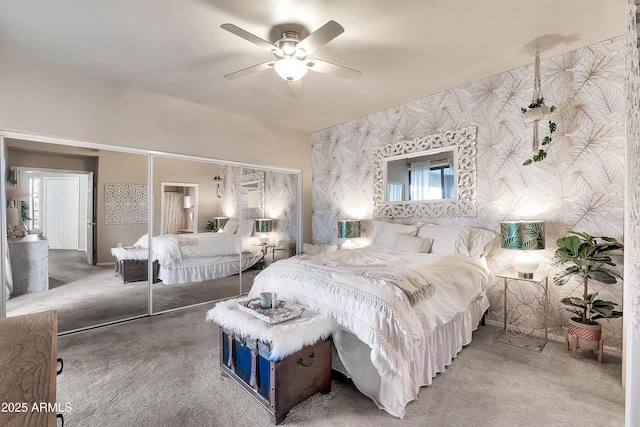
(285, 338)
(408, 283)
(369, 305)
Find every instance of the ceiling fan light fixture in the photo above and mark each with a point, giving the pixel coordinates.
(290, 69)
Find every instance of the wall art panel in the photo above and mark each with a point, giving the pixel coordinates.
(126, 203)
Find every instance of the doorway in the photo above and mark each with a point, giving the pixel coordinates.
(61, 207)
(178, 208)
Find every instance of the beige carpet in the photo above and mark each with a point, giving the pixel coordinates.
(86, 295)
(163, 371)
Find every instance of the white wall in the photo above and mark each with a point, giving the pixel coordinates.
(43, 100)
(632, 223)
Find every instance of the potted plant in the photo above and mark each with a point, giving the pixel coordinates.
(537, 111)
(589, 258)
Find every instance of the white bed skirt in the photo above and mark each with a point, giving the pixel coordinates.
(442, 346)
(206, 268)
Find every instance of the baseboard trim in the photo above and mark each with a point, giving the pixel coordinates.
(105, 264)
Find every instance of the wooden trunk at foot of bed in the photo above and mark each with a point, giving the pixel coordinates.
(133, 270)
(277, 385)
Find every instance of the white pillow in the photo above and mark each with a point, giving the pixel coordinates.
(447, 239)
(142, 242)
(385, 233)
(407, 243)
(231, 226)
(459, 239)
(312, 250)
(247, 227)
(480, 242)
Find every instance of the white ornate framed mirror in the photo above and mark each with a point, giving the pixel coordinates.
(433, 176)
(253, 195)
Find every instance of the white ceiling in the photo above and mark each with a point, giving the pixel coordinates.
(406, 49)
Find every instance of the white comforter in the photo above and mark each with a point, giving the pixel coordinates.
(393, 329)
(170, 248)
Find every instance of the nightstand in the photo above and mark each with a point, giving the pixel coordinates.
(265, 250)
(525, 296)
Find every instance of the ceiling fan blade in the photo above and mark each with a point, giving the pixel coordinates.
(295, 88)
(333, 69)
(269, 47)
(250, 70)
(321, 36)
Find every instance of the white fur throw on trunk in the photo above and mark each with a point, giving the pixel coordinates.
(286, 338)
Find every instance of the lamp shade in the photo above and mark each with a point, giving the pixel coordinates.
(349, 228)
(522, 235)
(264, 225)
(186, 202)
(219, 222)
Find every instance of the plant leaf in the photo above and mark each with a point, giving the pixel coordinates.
(602, 276)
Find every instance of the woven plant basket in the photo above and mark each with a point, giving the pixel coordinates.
(588, 335)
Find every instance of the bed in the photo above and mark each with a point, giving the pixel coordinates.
(196, 257)
(404, 306)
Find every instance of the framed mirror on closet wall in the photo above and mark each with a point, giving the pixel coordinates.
(119, 207)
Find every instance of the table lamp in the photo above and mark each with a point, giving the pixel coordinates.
(523, 236)
(263, 227)
(218, 223)
(348, 229)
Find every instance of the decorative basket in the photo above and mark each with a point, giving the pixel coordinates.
(585, 334)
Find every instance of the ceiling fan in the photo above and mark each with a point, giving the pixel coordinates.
(292, 61)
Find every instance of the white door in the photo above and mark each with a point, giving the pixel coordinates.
(62, 200)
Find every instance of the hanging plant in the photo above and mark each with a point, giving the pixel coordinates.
(537, 111)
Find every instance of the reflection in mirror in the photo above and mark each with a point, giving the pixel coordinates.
(76, 204)
(280, 211)
(195, 264)
(420, 176)
(103, 273)
(178, 208)
(252, 193)
(434, 176)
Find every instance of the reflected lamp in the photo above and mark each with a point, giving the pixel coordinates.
(349, 229)
(263, 227)
(218, 223)
(523, 236)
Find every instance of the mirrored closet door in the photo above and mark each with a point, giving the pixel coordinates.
(74, 207)
(197, 242)
(89, 210)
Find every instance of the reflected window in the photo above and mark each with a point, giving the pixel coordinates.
(34, 205)
(429, 182)
(395, 191)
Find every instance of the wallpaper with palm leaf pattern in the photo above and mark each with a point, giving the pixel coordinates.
(580, 186)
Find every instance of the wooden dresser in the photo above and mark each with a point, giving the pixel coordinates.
(28, 363)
